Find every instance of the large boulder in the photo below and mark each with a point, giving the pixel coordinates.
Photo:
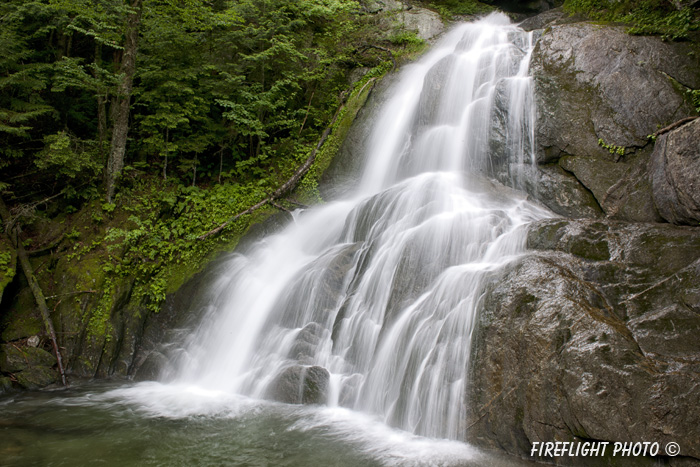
(599, 83)
(426, 23)
(593, 337)
(525, 7)
(675, 174)
(32, 367)
(599, 94)
(299, 384)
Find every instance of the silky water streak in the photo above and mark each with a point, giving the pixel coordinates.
(381, 288)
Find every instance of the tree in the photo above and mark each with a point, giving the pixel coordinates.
(122, 104)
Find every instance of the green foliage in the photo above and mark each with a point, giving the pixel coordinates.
(448, 9)
(68, 157)
(6, 268)
(648, 17)
(406, 38)
(694, 96)
(232, 96)
(612, 149)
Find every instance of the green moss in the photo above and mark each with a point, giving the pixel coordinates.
(8, 264)
(21, 320)
(309, 185)
(646, 17)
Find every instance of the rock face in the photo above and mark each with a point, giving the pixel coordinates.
(31, 367)
(599, 93)
(300, 384)
(525, 7)
(593, 337)
(600, 83)
(675, 174)
(426, 23)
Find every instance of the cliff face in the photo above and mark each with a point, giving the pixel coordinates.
(594, 335)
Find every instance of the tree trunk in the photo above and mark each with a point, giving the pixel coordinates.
(101, 105)
(33, 284)
(165, 162)
(115, 163)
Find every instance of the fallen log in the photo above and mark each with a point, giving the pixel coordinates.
(13, 236)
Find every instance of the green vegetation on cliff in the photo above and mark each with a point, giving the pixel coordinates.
(224, 101)
(672, 20)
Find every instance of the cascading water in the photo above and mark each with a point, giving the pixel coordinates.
(372, 299)
(381, 289)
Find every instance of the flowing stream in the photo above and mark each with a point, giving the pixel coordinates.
(366, 304)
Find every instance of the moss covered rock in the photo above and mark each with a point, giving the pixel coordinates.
(5, 385)
(32, 367)
(14, 358)
(8, 263)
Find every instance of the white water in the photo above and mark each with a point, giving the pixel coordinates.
(382, 288)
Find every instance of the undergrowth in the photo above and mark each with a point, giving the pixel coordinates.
(646, 17)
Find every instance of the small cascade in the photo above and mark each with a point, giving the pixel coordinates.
(372, 299)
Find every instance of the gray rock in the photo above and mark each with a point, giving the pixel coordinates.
(306, 343)
(675, 174)
(597, 82)
(623, 190)
(543, 20)
(376, 6)
(426, 23)
(593, 337)
(300, 384)
(561, 192)
(526, 6)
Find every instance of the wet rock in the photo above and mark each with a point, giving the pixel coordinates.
(593, 337)
(544, 19)
(5, 385)
(597, 83)
(559, 190)
(36, 378)
(32, 367)
(675, 174)
(299, 384)
(166, 331)
(528, 7)
(306, 343)
(622, 190)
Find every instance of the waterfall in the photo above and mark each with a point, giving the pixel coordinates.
(379, 291)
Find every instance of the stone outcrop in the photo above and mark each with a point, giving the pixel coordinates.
(31, 367)
(593, 337)
(600, 93)
(300, 384)
(675, 174)
(426, 23)
(527, 7)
